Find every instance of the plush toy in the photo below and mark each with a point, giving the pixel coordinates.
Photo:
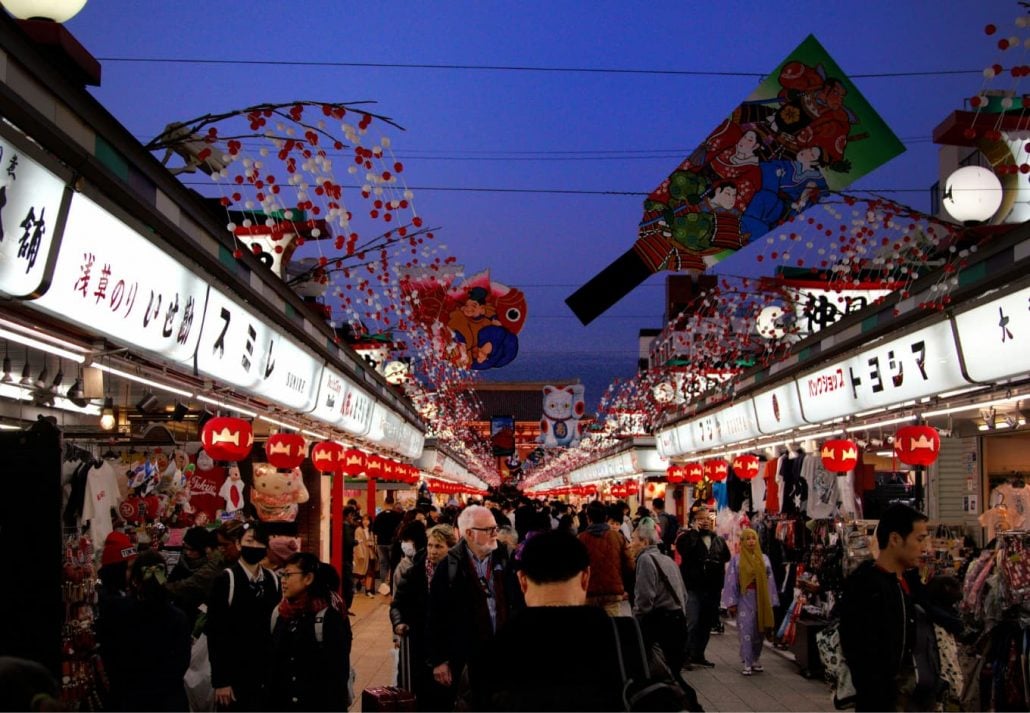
(563, 408)
(276, 493)
(232, 490)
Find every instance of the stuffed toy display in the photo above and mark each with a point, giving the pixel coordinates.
(204, 485)
(276, 493)
(232, 490)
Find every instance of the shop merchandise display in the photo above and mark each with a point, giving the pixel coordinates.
(83, 681)
(1015, 497)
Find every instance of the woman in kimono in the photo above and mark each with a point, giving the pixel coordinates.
(750, 594)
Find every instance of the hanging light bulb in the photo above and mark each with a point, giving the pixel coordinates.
(26, 372)
(107, 419)
(7, 378)
(59, 379)
(44, 376)
(76, 395)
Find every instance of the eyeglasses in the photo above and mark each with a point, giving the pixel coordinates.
(284, 575)
(487, 530)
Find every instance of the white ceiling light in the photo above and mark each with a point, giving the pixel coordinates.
(972, 195)
(41, 345)
(145, 381)
(227, 406)
(56, 10)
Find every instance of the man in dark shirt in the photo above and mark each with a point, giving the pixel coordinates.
(384, 526)
(703, 558)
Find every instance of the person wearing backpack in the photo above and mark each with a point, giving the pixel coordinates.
(238, 610)
(311, 640)
(669, 524)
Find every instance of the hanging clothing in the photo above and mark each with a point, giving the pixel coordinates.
(772, 486)
(758, 485)
(1017, 501)
(823, 489)
(720, 495)
(101, 494)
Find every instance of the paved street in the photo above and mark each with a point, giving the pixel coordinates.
(780, 688)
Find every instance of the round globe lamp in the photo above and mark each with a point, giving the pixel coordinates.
(56, 10)
(972, 195)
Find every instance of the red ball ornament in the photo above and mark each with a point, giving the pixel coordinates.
(1003, 44)
(840, 455)
(969, 132)
(286, 450)
(327, 457)
(746, 466)
(990, 29)
(227, 439)
(917, 445)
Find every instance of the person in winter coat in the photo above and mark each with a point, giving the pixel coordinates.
(750, 595)
(238, 614)
(703, 558)
(609, 561)
(408, 613)
(145, 642)
(311, 640)
(471, 596)
(191, 580)
(878, 617)
(364, 555)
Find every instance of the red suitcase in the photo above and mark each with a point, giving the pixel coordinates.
(386, 698)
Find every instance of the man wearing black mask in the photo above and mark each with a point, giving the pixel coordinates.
(239, 611)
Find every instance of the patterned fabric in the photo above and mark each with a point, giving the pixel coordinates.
(837, 672)
(951, 670)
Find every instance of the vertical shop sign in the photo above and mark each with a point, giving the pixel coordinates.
(995, 337)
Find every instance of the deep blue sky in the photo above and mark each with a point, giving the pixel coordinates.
(546, 244)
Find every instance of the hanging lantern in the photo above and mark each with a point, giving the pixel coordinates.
(716, 469)
(285, 450)
(618, 491)
(591, 490)
(227, 439)
(354, 462)
(630, 487)
(374, 466)
(327, 457)
(746, 466)
(917, 445)
(675, 474)
(390, 471)
(695, 473)
(840, 455)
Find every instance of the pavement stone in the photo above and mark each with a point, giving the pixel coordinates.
(723, 688)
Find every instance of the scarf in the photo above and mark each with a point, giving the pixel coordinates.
(298, 607)
(430, 568)
(752, 571)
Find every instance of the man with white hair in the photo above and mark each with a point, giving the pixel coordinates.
(472, 594)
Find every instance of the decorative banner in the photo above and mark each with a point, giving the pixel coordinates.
(476, 324)
(805, 131)
(502, 435)
(564, 406)
(840, 455)
(917, 445)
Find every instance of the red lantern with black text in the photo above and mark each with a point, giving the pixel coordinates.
(716, 469)
(327, 457)
(227, 439)
(746, 466)
(695, 473)
(917, 445)
(354, 462)
(840, 455)
(285, 450)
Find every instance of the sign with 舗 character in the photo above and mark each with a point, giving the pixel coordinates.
(805, 131)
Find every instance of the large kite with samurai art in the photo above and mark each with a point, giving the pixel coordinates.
(804, 132)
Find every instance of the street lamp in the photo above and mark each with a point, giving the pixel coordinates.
(55, 10)
(972, 195)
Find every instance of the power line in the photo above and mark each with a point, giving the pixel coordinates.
(512, 68)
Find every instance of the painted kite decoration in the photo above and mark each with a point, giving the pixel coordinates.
(805, 131)
(475, 322)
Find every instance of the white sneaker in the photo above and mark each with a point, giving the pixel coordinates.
(757, 668)
(747, 671)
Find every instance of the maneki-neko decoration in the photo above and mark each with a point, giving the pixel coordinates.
(790, 143)
(746, 466)
(839, 455)
(285, 450)
(227, 439)
(328, 457)
(917, 445)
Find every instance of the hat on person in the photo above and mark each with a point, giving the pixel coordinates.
(281, 549)
(117, 548)
(198, 538)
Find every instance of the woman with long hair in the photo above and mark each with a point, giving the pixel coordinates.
(365, 555)
(145, 641)
(750, 594)
(311, 640)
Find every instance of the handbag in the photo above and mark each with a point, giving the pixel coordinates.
(831, 653)
(197, 679)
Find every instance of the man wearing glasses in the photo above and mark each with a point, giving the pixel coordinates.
(470, 598)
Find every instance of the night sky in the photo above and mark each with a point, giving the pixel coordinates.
(529, 137)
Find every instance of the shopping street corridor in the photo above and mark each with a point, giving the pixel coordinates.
(723, 688)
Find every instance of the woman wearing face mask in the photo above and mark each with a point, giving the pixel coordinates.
(751, 590)
(311, 640)
(238, 611)
(410, 601)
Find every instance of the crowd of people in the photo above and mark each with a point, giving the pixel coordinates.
(477, 594)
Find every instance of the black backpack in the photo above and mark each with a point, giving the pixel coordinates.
(642, 691)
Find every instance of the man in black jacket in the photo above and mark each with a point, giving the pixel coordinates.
(470, 598)
(703, 558)
(879, 617)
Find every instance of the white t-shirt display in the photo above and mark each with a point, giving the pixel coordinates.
(823, 489)
(1016, 501)
(101, 495)
(758, 493)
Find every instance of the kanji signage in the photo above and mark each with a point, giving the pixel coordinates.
(779, 409)
(111, 279)
(994, 337)
(30, 200)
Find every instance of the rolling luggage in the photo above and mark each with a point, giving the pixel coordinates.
(393, 698)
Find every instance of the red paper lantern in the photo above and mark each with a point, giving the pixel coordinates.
(675, 474)
(354, 462)
(840, 455)
(327, 457)
(716, 469)
(286, 450)
(917, 445)
(618, 490)
(695, 473)
(227, 439)
(746, 466)
(390, 471)
(374, 466)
